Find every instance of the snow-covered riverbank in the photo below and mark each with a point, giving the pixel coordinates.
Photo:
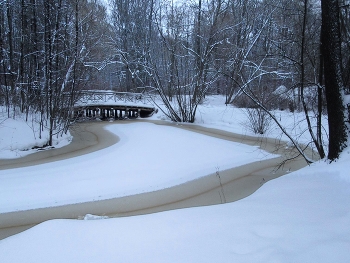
(301, 217)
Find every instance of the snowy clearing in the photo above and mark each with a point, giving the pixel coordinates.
(301, 217)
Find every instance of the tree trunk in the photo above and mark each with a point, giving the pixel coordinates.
(333, 79)
(317, 143)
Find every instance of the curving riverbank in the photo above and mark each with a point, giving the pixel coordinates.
(227, 186)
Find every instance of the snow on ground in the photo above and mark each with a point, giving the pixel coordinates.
(18, 137)
(214, 113)
(301, 217)
(147, 157)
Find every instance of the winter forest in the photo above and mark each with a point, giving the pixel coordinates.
(261, 55)
(235, 148)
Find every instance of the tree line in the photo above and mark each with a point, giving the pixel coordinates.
(247, 50)
(42, 48)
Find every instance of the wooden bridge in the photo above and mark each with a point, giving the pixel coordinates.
(107, 105)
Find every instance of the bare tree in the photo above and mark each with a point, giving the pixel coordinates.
(333, 79)
(189, 41)
(43, 44)
(132, 26)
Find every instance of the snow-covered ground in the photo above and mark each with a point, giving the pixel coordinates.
(18, 137)
(147, 157)
(214, 113)
(301, 217)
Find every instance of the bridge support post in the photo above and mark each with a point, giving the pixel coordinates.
(103, 114)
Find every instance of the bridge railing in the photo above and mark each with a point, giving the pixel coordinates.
(112, 96)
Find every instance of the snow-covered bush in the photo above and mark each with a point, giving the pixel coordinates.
(258, 120)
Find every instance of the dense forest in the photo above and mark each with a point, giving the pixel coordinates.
(260, 54)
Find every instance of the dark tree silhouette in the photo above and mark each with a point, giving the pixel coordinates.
(331, 49)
